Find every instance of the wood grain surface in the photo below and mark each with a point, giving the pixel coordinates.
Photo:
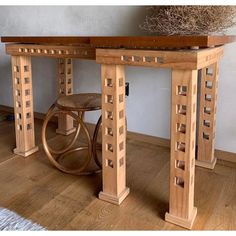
(146, 42)
(35, 190)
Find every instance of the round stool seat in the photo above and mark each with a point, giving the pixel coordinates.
(80, 102)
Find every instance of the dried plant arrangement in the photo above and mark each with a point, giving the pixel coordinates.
(189, 20)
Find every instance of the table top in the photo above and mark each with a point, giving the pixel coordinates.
(143, 42)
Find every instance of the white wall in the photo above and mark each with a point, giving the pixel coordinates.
(148, 106)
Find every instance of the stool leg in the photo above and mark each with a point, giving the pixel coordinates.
(207, 116)
(23, 105)
(113, 134)
(94, 142)
(81, 116)
(182, 164)
(65, 87)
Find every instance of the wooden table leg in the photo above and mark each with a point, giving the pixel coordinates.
(23, 105)
(207, 116)
(113, 134)
(182, 164)
(65, 87)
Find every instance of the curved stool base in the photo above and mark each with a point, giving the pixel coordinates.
(54, 156)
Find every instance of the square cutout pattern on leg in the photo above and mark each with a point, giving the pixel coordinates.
(109, 163)
(109, 99)
(109, 147)
(181, 109)
(182, 90)
(180, 146)
(181, 128)
(180, 164)
(209, 71)
(179, 182)
(207, 110)
(109, 131)
(109, 115)
(108, 82)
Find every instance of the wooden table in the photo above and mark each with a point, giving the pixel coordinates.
(187, 56)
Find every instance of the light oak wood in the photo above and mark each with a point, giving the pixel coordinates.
(185, 64)
(65, 88)
(113, 134)
(177, 59)
(207, 116)
(205, 164)
(183, 130)
(55, 51)
(23, 105)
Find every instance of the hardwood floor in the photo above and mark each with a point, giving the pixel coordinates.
(37, 191)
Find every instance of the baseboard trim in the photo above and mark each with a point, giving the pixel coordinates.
(37, 115)
(225, 156)
(219, 154)
(149, 139)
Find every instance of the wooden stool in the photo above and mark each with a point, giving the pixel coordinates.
(70, 105)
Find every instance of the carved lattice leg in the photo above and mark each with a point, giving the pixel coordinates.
(23, 105)
(65, 87)
(114, 134)
(207, 116)
(183, 130)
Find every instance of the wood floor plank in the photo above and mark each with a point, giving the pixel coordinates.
(34, 189)
(69, 203)
(7, 140)
(224, 211)
(102, 215)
